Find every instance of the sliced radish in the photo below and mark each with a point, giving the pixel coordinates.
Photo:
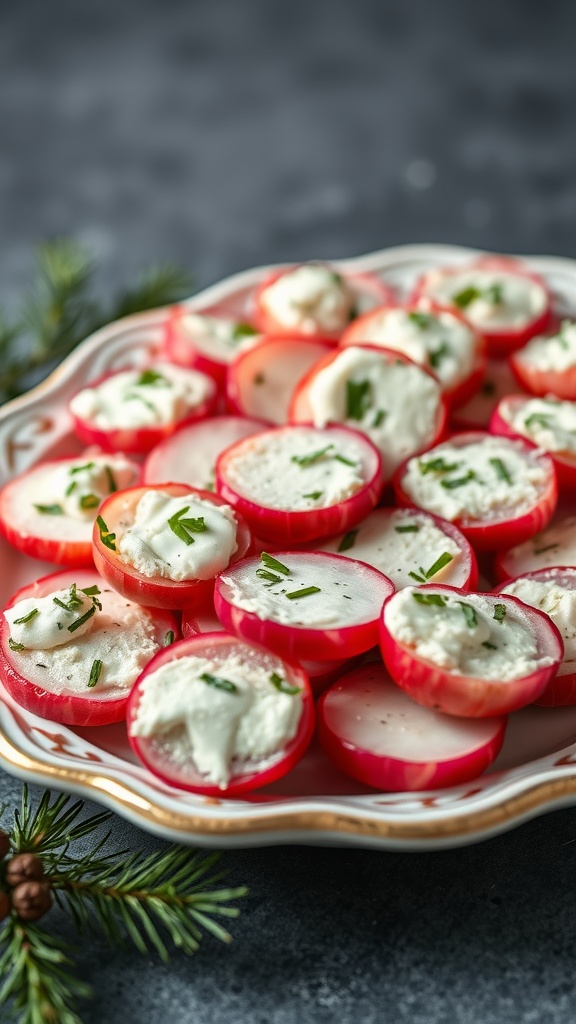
(313, 300)
(48, 512)
(132, 410)
(555, 546)
(295, 484)
(189, 455)
(214, 715)
(505, 301)
(470, 655)
(261, 381)
(163, 545)
(547, 364)
(475, 414)
(303, 605)
(547, 423)
(497, 490)
(375, 733)
(382, 393)
(85, 680)
(553, 591)
(397, 541)
(433, 336)
(206, 343)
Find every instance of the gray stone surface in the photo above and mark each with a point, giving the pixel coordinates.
(226, 134)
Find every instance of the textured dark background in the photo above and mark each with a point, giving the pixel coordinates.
(237, 132)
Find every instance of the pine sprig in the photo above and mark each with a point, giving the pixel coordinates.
(40, 985)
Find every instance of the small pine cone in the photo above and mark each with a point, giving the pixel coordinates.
(31, 900)
(4, 845)
(4, 905)
(24, 867)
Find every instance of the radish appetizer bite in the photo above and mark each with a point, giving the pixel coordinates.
(397, 541)
(132, 410)
(382, 393)
(470, 655)
(206, 343)
(549, 423)
(555, 546)
(163, 545)
(375, 733)
(189, 456)
(71, 647)
(295, 484)
(497, 490)
(261, 382)
(303, 605)
(547, 364)
(553, 591)
(214, 715)
(502, 299)
(48, 512)
(434, 337)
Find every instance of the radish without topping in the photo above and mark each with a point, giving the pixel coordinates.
(555, 546)
(189, 455)
(261, 382)
(476, 413)
(375, 733)
(304, 605)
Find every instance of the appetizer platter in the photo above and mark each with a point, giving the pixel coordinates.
(295, 560)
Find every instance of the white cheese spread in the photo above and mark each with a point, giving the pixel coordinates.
(491, 299)
(559, 603)
(556, 353)
(80, 487)
(490, 479)
(185, 538)
(297, 468)
(142, 398)
(41, 623)
(216, 337)
(395, 403)
(464, 636)
(548, 422)
(216, 716)
(311, 299)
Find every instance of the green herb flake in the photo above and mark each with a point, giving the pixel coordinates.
(407, 528)
(437, 465)
(379, 417)
(435, 356)
(464, 298)
(89, 501)
(27, 618)
(499, 612)
(83, 618)
(295, 595)
(313, 495)
(107, 539)
(549, 547)
(313, 457)
(348, 541)
(70, 489)
(422, 320)
(112, 485)
(441, 562)
(50, 510)
(219, 683)
(184, 528)
(489, 646)
(538, 419)
(91, 591)
(82, 468)
(358, 399)
(168, 638)
(344, 460)
(469, 614)
(451, 485)
(434, 599)
(14, 646)
(270, 577)
(500, 469)
(148, 377)
(272, 563)
(281, 685)
(243, 330)
(95, 672)
(495, 293)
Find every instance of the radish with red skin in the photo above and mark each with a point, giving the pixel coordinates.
(139, 439)
(261, 381)
(547, 365)
(502, 338)
(373, 732)
(117, 516)
(34, 522)
(205, 342)
(303, 605)
(71, 707)
(555, 546)
(447, 689)
(491, 532)
(475, 414)
(310, 484)
(189, 455)
(507, 410)
(462, 382)
(561, 690)
(247, 775)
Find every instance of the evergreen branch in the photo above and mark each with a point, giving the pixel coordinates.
(52, 824)
(150, 292)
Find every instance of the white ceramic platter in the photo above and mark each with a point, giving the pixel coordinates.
(535, 772)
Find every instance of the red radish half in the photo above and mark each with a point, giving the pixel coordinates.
(532, 588)
(498, 529)
(469, 288)
(30, 685)
(189, 455)
(116, 516)
(34, 522)
(375, 733)
(285, 481)
(261, 381)
(140, 439)
(555, 546)
(248, 775)
(508, 420)
(476, 413)
(303, 605)
(205, 342)
(533, 366)
(445, 688)
(397, 542)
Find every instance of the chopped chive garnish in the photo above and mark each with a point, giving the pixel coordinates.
(501, 471)
(538, 419)
(270, 577)
(435, 356)
(344, 460)
(183, 528)
(408, 528)
(313, 495)
(80, 469)
(444, 559)
(272, 563)
(108, 539)
(469, 614)
(112, 485)
(90, 591)
(435, 599)
(451, 485)
(466, 296)
(499, 612)
(83, 618)
(417, 577)
(437, 465)
(219, 682)
(489, 646)
(131, 396)
(50, 510)
(56, 600)
(296, 594)
(70, 489)
(14, 646)
(358, 399)
(168, 638)
(151, 377)
(494, 293)
(26, 618)
(242, 330)
(379, 417)
(281, 685)
(95, 672)
(309, 460)
(549, 547)
(422, 320)
(89, 501)
(348, 541)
